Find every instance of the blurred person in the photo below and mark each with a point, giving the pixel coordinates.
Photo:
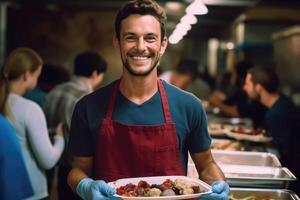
(22, 69)
(282, 118)
(185, 73)
(14, 179)
(51, 75)
(15, 183)
(139, 125)
(238, 104)
(89, 69)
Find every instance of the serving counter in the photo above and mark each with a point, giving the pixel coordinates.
(261, 194)
(249, 169)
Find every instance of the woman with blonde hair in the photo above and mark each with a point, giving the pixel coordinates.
(21, 71)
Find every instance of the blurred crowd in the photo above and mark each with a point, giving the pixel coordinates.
(37, 101)
(36, 105)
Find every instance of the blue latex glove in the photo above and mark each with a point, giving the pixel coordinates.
(89, 189)
(220, 191)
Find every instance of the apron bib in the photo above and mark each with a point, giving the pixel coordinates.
(124, 151)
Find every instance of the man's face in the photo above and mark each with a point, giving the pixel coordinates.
(140, 44)
(249, 88)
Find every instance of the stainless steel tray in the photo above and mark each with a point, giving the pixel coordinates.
(234, 145)
(246, 158)
(249, 169)
(251, 176)
(257, 176)
(259, 194)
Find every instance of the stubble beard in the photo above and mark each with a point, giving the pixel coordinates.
(255, 96)
(134, 73)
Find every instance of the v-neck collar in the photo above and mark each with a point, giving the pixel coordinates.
(151, 99)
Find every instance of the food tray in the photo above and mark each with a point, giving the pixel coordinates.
(220, 126)
(218, 129)
(235, 145)
(159, 180)
(235, 121)
(225, 144)
(257, 176)
(251, 176)
(260, 194)
(246, 158)
(252, 138)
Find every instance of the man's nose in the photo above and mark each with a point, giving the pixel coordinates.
(141, 45)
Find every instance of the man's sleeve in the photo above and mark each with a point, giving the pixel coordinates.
(199, 139)
(81, 142)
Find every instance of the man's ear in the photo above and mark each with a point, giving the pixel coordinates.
(116, 42)
(258, 87)
(26, 75)
(94, 74)
(164, 45)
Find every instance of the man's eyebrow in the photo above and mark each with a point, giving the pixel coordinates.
(152, 34)
(148, 34)
(128, 33)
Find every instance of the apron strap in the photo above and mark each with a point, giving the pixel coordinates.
(164, 100)
(112, 100)
(163, 95)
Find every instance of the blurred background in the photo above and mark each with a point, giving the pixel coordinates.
(228, 31)
(217, 34)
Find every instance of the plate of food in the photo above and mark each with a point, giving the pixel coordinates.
(160, 188)
(249, 134)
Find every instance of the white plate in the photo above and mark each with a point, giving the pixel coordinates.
(160, 180)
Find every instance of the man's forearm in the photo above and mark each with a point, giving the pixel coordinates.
(74, 177)
(82, 168)
(211, 173)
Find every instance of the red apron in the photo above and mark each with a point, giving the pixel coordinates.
(124, 151)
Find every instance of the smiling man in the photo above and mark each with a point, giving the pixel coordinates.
(139, 125)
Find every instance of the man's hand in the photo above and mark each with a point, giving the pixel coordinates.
(89, 189)
(220, 191)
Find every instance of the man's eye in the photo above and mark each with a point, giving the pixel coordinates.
(151, 39)
(130, 38)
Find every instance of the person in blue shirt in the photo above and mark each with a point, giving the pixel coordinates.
(15, 184)
(139, 125)
(282, 118)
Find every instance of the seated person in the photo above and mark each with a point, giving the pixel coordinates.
(238, 104)
(282, 118)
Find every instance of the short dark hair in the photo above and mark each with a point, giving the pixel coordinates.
(266, 76)
(142, 7)
(188, 66)
(52, 75)
(241, 69)
(87, 62)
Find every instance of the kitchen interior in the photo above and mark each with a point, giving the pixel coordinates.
(220, 33)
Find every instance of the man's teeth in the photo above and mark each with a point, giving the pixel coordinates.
(140, 57)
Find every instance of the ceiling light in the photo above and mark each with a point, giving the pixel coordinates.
(173, 6)
(183, 26)
(197, 7)
(189, 19)
(174, 39)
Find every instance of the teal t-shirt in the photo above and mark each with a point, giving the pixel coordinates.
(187, 114)
(14, 179)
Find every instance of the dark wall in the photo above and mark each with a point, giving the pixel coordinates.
(59, 33)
